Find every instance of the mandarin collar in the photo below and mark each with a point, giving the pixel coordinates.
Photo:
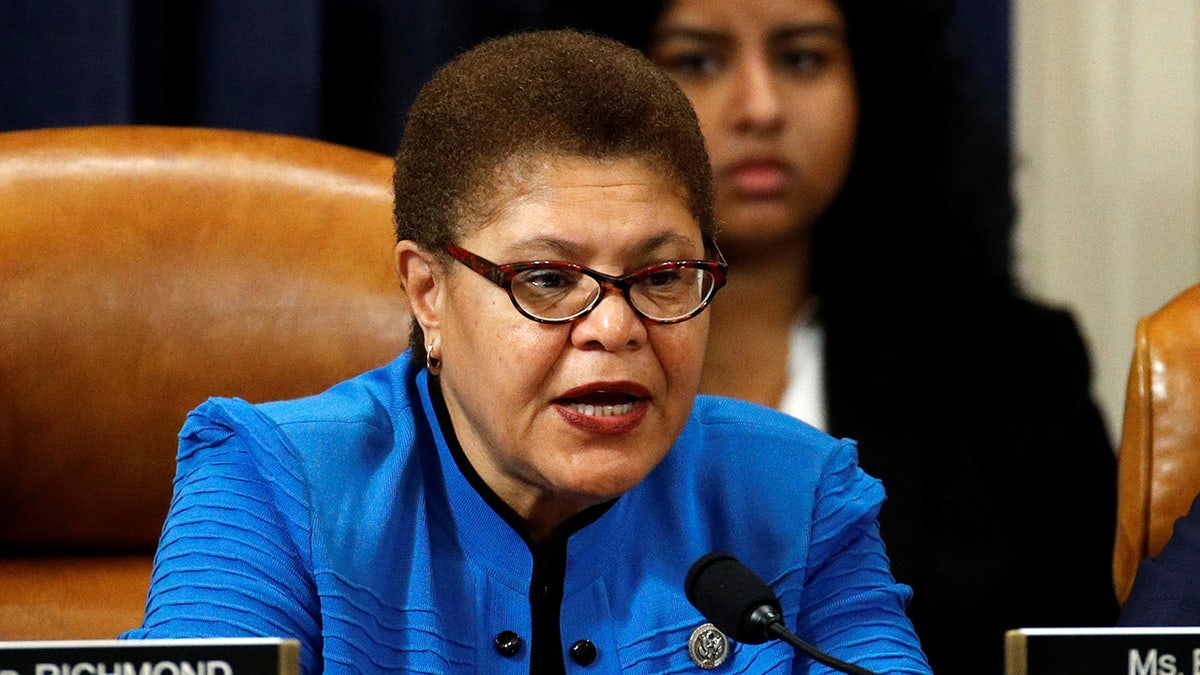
(491, 533)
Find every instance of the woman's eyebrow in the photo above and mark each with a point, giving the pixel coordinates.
(829, 29)
(653, 244)
(819, 28)
(693, 33)
(538, 247)
(544, 248)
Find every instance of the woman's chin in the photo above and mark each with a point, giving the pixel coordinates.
(754, 225)
(591, 486)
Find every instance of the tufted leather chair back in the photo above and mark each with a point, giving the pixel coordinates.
(142, 270)
(1159, 462)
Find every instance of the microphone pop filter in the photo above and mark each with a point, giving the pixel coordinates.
(727, 593)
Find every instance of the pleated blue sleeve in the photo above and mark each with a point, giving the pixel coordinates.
(235, 549)
(854, 608)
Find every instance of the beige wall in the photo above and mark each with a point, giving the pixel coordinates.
(1107, 124)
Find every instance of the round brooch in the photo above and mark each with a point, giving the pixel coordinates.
(708, 647)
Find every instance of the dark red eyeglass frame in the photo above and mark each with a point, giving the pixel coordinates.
(502, 276)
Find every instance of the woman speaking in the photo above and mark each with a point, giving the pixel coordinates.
(525, 489)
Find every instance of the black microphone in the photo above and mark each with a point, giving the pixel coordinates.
(744, 607)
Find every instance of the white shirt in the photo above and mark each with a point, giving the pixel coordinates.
(804, 396)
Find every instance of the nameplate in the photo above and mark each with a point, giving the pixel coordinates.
(218, 656)
(1103, 651)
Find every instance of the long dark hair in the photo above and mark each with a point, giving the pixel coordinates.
(925, 218)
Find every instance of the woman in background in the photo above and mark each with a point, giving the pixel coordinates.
(867, 216)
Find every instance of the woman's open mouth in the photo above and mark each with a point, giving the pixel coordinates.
(603, 405)
(607, 411)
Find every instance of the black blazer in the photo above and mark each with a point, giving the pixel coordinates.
(1000, 477)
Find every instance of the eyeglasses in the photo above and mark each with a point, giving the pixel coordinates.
(552, 291)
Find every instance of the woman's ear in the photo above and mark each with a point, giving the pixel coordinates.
(422, 283)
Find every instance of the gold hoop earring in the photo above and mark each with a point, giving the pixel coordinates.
(433, 363)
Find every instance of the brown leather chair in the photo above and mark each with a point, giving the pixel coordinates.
(144, 269)
(1159, 461)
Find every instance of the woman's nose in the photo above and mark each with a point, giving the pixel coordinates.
(612, 325)
(754, 103)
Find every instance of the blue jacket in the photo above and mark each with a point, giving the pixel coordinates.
(343, 520)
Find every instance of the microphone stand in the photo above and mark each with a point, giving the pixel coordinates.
(773, 626)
